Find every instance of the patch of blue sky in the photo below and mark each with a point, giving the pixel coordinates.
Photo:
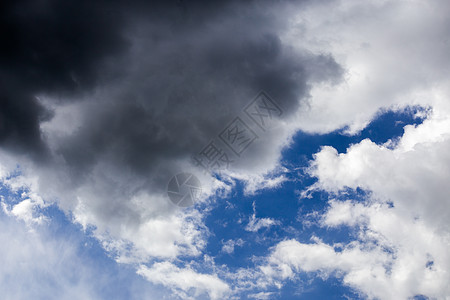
(311, 286)
(297, 217)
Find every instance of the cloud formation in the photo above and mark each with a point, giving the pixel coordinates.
(102, 103)
(401, 226)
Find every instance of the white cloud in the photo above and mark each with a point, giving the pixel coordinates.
(179, 234)
(29, 205)
(401, 250)
(413, 175)
(134, 225)
(255, 224)
(228, 246)
(36, 264)
(395, 257)
(395, 54)
(259, 182)
(185, 281)
(261, 295)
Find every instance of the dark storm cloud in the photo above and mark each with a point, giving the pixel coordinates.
(170, 75)
(52, 47)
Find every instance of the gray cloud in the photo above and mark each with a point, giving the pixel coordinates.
(159, 84)
(143, 87)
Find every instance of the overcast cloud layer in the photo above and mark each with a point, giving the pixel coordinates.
(101, 104)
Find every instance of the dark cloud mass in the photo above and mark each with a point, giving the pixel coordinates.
(50, 47)
(155, 81)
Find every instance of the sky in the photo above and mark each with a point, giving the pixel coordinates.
(225, 150)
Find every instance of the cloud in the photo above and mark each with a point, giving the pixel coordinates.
(24, 210)
(258, 182)
(228, 246)
(390, 61)
(35, 263)
(255, 224)
(401, 227)
(39, 57)
(103, 103)
(412, 175)
(382, 263)
(261, 295)
(407, 212)
(51, 266)
(185, 280)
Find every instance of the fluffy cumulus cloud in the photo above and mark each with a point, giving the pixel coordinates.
(187, 282)
(102, 103)
(405, 219)
(394, 54)
(393, 257)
